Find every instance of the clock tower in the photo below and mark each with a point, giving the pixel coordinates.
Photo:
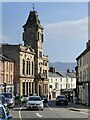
(33, 32)
(33, 36)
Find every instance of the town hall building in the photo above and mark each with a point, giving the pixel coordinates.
(31, 65)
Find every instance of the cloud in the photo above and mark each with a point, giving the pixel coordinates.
(67, 30)
(65, 40)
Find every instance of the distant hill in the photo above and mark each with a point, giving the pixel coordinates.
(63, 66)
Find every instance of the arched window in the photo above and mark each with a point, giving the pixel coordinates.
(32, 68)
(29, 68)
(23, 67)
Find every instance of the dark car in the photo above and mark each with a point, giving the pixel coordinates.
(3, 100)
(44, 98)
(4, 114)
(10, 99)
(61, 100)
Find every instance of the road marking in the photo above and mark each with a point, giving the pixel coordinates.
(49, 107)
(85, 113)
(20, 112)
(39, 115)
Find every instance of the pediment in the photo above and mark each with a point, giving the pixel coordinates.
(29, 49)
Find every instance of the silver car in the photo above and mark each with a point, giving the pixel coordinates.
(10, 99)
(34, 102)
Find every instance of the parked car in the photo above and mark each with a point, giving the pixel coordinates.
(61, 100)
(44, 98)
(4, 115)
(10, 99)
(3, 100)
(24, 98)
(34, 102)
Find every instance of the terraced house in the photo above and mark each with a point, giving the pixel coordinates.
(31, 65)
(6, 74)
(83, 75)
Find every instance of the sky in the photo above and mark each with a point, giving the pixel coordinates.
(65, 26)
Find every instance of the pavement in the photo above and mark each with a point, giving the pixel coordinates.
(79, 107)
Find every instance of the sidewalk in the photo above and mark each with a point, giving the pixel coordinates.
(79, 107)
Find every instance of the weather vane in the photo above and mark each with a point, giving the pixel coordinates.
(33, 6)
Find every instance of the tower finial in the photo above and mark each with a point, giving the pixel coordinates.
(33, 6)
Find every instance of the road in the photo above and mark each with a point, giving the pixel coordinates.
(50, 111)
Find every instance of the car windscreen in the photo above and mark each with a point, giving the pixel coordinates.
(61, 97)
(2, 113)
(8, 95)
(34, 99)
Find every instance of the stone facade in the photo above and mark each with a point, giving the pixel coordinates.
(24, 67)
(33, 35)
(83, 76)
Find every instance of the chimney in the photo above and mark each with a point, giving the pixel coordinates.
(72, 71)
(52, 69)
(88, 44)
(68, 70)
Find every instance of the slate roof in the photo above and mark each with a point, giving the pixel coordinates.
(54, 75)
(2, 57)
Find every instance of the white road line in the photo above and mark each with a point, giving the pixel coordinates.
(20, 112)
(39, 115)
(85, 113)
(49, 107)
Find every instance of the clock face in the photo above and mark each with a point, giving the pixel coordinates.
(31, 34)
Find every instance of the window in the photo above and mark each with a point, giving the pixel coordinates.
(61, 79)
(11, 67)
(23, 87)
(32, 68)
(51, 80)
(68, 86)
(11, 79)
(60, 86)
(40, 54)
(23, 67)
(26, 87)
(46, 73)
(29, 67)
(6, 66)
(56, 85)
(6, 78)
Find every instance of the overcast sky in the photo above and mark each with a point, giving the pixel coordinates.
(65, 27)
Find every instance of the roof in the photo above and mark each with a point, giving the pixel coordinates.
(33, 19)
(70, 74)
(2, 57)
(54, 75)
(83, 53)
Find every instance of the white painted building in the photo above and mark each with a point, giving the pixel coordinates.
(59, 83)
(56, 83)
